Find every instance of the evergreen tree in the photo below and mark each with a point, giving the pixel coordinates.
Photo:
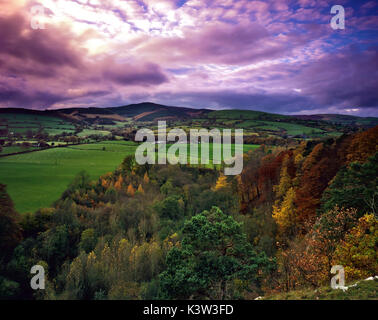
(214, 252)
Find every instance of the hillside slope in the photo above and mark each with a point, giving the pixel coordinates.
(363, 290)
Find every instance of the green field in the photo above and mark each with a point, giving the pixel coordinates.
(21, 123)
(37, 179)
(15, 149)
(244, 114)
(290, 128)
(218, 147)
(262, 121)
(88, 132)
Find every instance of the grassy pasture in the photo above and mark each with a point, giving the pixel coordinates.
(250, 120)
(15, 149)
(37, 179)
(243, 114)
(88, 132)
(213, 147)
(21, 123)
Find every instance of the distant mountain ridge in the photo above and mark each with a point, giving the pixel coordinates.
(145, 111)
(148, 111)
(339, 118)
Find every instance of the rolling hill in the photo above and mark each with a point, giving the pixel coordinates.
(340, 119)
(145, 111)
(65, 120)
(148, 111)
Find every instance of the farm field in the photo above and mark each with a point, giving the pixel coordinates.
(20, 123)
(88, 132)
(219, 148)
(14, 149)
(243, 114)
(290, 128)
(37, 179)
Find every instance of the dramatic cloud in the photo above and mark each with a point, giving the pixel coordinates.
(145, 75)
(278, 56)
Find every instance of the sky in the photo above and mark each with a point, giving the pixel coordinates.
(278, 56)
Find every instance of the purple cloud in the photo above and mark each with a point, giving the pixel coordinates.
(277, 56)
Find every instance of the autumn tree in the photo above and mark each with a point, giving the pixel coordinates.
(130, 190)
(221, 182)
(307, 260)
(146, 179)
(285, 179)
(285, 214)
(140, 189)
(318, 169)
(358, 253)
(363, 145)
(119, 183)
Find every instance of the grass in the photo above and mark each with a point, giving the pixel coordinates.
(21, 123)
(37, 179)
(88, 132)
(242, 114)
(364, 290)
(15, 149)
(56, 131)
(250, 120)
(216, 147)
(247, 124)
(290, 128)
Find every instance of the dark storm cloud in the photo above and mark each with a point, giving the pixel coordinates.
(18, 40)
(36, 99)
(145, 74)
(347, 78)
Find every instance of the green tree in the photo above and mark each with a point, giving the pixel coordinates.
(88, 240)
(80, 183)
(10, 231)
(214, 253)
(354, 187)
(128, 164)
(171, 207)
(56, 246)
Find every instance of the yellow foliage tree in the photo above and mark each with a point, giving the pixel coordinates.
(358, 253)
(285, 180)
(284, 214)
(140, 189)
(298, 159)
(221, 182)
